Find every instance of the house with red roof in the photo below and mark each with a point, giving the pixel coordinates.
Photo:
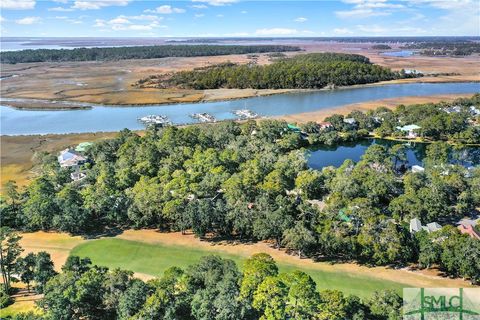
(470, 230)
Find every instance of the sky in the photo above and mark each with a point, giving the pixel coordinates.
(236, 18)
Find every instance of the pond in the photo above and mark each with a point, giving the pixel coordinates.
(401, 53)
(114, 118)
(324, 156)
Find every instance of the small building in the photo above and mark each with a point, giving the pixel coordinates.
(293, 128)
(84, 146)
(415, 225)
(470, 230)
(474, 111)
(350, 120)
(77, 176)
(432, 227)
(70, 158)
(453, 109)
(411, 130)
(417, 169)
(324, 125)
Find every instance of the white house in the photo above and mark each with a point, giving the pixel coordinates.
(411, 130)
(70, 158)
(350, 120)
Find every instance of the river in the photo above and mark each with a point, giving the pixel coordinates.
(114, 118)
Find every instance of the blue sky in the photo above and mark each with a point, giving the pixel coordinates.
(224, 18)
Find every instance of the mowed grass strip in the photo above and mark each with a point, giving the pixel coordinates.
(154, 259)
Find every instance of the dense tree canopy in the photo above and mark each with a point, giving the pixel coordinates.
(136, 52)
(244, 181)
(315, 70)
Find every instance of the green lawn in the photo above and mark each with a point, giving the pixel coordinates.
(154, 259)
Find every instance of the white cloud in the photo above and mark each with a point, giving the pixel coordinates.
(361, 13)
(119, 20)
(99, 23)
(165, 9)
(17, 4)
(60, 1)
(342, 31)
(276, 31)
(220, 15)
(243, 12)
(28, 20)
(95, 5)
(124, 23)
(199, 6)
(60, 9)
(199, 15)
(368, 8)
(2, 19)
(217, 3)
(300, 19)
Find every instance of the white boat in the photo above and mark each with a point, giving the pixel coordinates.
(245, 114)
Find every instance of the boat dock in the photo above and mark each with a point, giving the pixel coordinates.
(244, 114)
(155, 120)
(204, 117)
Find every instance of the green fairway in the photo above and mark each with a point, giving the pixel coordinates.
(154, 259)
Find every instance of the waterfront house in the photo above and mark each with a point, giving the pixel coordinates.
(324, 125)
(351, 121)
(411, 130)
(69, 158)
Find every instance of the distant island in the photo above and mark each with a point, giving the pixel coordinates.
(381, 47)
(141, 52)
(308, 71)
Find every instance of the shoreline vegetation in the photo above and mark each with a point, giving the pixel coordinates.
(135, 52)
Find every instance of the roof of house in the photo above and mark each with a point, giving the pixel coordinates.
(349, 120)
(70, 157)
(83, 146)
(293, 127)
(409, 127)
(415, 225)
(470, 230)
(433, 226)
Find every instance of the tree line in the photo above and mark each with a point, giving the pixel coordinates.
(140, 52)
(252, 181)
(452, 48)
(213, 288)
(308, 71)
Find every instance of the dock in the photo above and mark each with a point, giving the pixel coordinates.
(155, 120)
(245, 114)
(203, 117)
